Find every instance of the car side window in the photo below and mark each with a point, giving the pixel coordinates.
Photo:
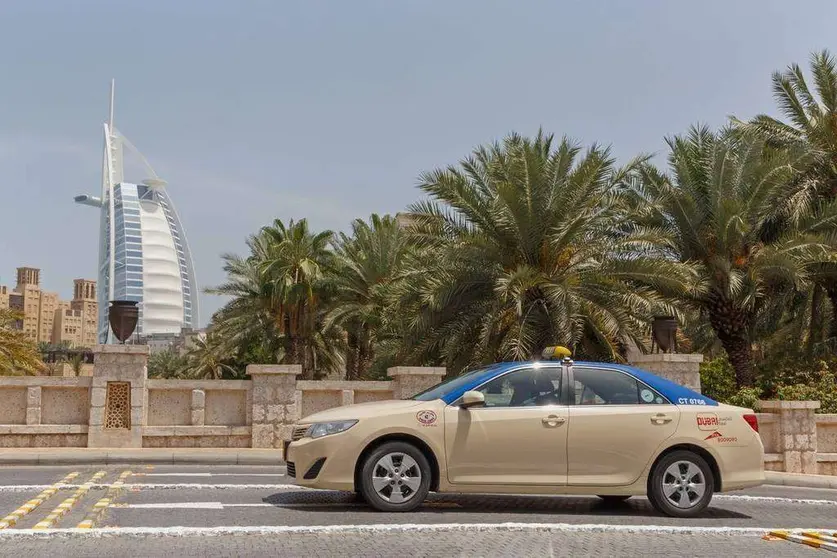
(528, 387)
(599, 386)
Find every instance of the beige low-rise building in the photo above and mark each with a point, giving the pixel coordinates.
(48, 319)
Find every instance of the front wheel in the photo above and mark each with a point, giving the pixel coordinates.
(395, 477)
(681, 484)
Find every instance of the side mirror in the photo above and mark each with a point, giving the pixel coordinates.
(472, 399)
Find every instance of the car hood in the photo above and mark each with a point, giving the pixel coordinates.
(363, 410)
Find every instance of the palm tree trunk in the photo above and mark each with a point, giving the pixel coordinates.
(731, 327)
(740, 356)
(815, 328)
(831, 291)
(365, 352)
(351, 355)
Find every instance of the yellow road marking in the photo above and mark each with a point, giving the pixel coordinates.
(104, 503)
(803, 539)
(827, 537)
(68, 503)
(11, 519)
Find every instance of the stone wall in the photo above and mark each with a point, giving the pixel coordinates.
(198, 414)
(683, 369)
(321, 395)
(44, 411)
(827, 444)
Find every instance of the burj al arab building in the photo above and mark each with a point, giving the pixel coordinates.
(143, 252)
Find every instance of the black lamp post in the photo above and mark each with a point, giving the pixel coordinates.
(664, 333)
(123, 316)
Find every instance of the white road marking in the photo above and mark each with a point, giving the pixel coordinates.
(200, 486)
(221, 505)
(774, 499)
(174, 505)
(393, 528)
(158, 486)
(206, 475)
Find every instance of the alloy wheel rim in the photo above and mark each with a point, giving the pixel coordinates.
(396, 477)
(684, 484)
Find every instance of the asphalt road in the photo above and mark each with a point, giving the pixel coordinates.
(249, 511)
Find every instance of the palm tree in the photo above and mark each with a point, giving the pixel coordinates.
(810, 127)
(730, 205)
(166, 364)
(76, 363)
(279, 299)
(206, 360)
(18, 354)
(519, 248)
(367, 262)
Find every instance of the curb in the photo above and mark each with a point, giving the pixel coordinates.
(63, 456)
(800, 481)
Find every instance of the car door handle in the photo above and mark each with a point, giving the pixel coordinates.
(553, 420)
(661, 419)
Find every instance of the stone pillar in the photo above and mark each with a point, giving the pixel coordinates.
(118, 396)
(797, 433)
(274, 403)
(347, 397)
(33, 405)
(198, 407)
(410, 380)
(683, 369)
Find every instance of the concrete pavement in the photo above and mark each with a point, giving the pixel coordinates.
(241, 511)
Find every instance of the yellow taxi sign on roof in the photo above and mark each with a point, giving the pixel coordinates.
(556, 352)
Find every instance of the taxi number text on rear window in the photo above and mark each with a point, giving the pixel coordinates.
(690, 401)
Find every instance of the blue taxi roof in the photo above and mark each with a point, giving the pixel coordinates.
(677, 394)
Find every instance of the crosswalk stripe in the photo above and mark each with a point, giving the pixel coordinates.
(68, 503)
(802, 539)
(27, 508)
(103, 503)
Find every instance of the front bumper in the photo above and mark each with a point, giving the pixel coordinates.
(326, 462)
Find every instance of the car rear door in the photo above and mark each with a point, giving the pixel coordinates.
(616, 425)
(518, 438)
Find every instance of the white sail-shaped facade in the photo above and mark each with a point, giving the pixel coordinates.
(143, 252)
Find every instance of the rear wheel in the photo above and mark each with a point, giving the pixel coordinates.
(681, 484)
(610, 500)
(395, 477)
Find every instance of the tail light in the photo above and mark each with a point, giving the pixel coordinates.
(753, 421)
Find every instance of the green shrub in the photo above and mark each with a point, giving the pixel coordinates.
(788, 379)
(746, 397)
(717, 379)
(824, 391)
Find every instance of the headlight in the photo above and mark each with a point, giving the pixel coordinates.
(320, 429)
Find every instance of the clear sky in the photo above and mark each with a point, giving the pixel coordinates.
(253, 110)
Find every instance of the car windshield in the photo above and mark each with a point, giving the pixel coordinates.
(452, 384)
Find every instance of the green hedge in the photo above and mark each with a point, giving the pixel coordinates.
(788, 379)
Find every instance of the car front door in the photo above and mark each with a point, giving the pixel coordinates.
(616, 424)
(518, 438)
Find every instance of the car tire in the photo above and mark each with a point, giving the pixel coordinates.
(681, 484)
(395, 477)
(613, 500)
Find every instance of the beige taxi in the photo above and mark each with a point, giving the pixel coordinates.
(550, 427)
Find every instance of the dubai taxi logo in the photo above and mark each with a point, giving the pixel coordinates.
(427, 418)
(711, 421)
(707, 422)
(715, 434)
